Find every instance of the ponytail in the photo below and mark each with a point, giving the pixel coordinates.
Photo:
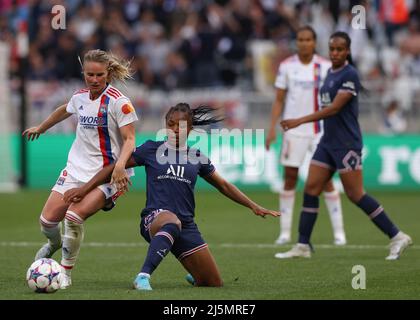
(118, 69)
(199, 116)
(350, 60)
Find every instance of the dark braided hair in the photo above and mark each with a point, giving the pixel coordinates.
(199, 116)
(345, 36)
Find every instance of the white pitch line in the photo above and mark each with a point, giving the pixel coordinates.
(87, 244)
(221, 245)
(316, 246)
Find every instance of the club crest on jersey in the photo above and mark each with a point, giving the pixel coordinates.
(60, 181)
(325, 98)
(127, 108)
(102, 121)
(317, 69)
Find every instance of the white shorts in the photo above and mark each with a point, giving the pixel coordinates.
(66, 182)
(295, 148)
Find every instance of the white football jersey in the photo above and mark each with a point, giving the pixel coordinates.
(302, 82)
(98, 139)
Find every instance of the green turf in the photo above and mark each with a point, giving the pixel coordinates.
(240, 242)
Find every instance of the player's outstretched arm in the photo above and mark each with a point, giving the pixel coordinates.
(103, 176)
(340, 100)
(57, 116)
(232, 192)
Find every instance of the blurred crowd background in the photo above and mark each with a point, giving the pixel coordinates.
(191, 48)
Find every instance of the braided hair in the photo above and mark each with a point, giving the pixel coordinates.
(345, 36)
(199, 116)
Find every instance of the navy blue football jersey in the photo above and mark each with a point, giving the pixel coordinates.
(342, 130)
(171, 176)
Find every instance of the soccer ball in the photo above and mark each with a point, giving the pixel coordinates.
(44, 276)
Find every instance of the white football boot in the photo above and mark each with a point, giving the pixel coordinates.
(65, 281)
(397, 245)
(282, 240)
(298, 250)
(340, 240)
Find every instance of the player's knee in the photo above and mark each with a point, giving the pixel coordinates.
(354, 195)
(214, 281)
(178, 224)
(170, 217)
(312, 189)
(290, 179)
(329, 186)
(173, 229)
(45, 223)
(217, 283)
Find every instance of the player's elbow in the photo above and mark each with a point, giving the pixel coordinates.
(336, 106)
(334, 110)
(224, 187)
(130, 140)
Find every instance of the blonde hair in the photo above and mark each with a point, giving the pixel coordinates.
(118, 69)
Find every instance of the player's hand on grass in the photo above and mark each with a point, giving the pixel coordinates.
(32, 133)
(262, 212)
(290, 124)
(74, 195)
(120, 179)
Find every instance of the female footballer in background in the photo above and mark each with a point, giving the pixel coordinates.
(339, 150)
(105, 134)
(167, 221)
(298, 81)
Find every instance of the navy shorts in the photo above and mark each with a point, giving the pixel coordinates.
(188, 242)
(342, 160)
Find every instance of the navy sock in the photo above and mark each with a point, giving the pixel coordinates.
(160, 245)
(308, 217)
(377, 214)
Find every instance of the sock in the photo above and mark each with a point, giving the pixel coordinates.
(308, 217)
(73, 237)
(333, 203)
(377, 214)
(52, 230)
(287, 201)
(160, 245)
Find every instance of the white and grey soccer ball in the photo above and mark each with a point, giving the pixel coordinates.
(44, 276)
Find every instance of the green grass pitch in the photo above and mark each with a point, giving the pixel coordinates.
(241, 243)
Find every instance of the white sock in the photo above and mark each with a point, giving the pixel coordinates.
(287, 202)
(52, 230)
(73, 237)
(333, 203)
(144, 274)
